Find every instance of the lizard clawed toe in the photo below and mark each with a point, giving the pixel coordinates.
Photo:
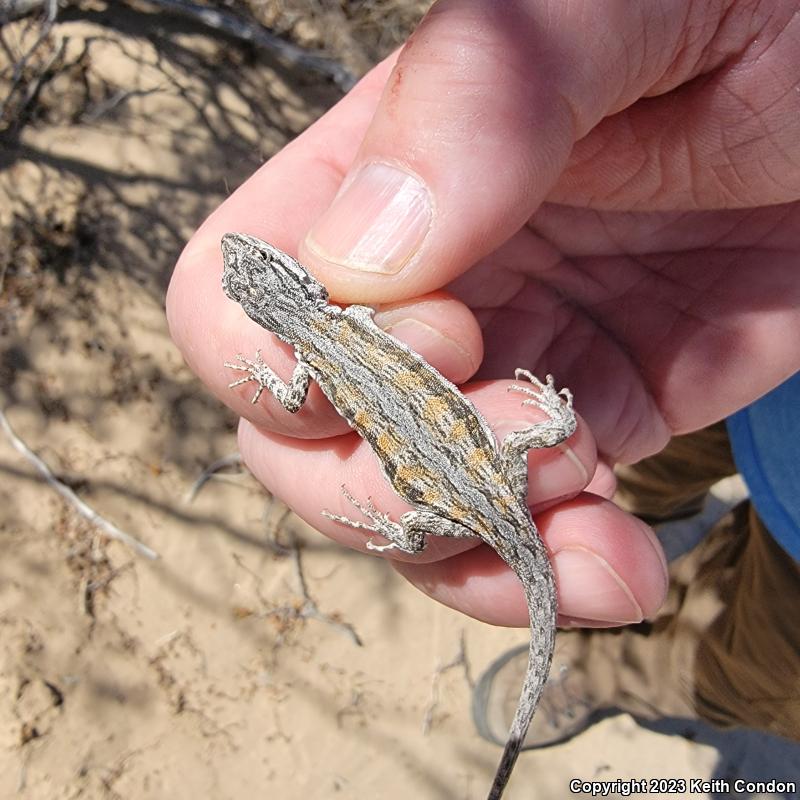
(555, 403)
(380, 548)
(255, 369)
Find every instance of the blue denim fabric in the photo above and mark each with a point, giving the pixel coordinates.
(765, 438)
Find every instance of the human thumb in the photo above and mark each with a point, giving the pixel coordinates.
(474, 126)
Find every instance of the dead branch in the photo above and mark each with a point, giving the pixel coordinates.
(16, 9)
(459, 660)
(309, 608)
(51, 7)
(118, 98)
(231, 460)
(220, 20)
(32, 91)
(259, 36)
(108, 528)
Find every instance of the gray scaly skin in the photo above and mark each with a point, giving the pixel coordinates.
(435, 449)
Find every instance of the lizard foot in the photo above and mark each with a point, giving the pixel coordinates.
(256, 371)
(556, 404)
(399, 538)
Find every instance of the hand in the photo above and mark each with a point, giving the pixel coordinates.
(609, 193)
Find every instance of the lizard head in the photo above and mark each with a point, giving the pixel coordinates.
(266, 282)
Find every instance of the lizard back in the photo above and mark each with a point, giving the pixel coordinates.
(433, 445)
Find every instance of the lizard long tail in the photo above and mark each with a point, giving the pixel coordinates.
(532, 565)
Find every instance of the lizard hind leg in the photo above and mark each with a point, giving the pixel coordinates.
(400, 536)
(559, 426)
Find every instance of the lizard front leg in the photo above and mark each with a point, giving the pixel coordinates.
(407, 535)
(559, 427)
(290, 395)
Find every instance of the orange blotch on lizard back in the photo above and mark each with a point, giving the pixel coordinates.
(459, 430)
(416, 474)
(344, 335)
(362, 419)
(408, 381)
(434, 408)
(505, 502)
(477, 457)
(387, 443)
(431, 496)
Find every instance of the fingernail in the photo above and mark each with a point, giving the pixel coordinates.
(591, 589)
(376, 223)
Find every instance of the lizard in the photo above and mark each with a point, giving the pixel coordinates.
(434, 447)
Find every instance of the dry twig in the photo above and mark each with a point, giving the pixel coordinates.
(51, 10)
(459, 660)
(220, 20)
(308, 609)
(16, 9)
(261, 37)
(231, 460)
(108, 528)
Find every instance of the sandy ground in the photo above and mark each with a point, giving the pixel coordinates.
(230, 667)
